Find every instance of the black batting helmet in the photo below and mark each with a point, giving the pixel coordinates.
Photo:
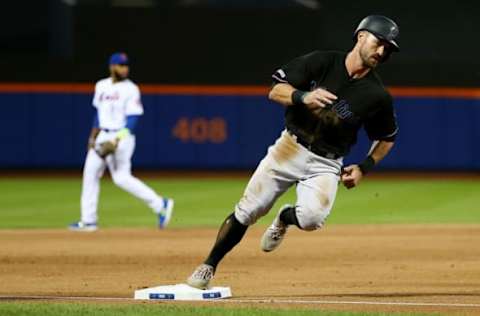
(382, 27)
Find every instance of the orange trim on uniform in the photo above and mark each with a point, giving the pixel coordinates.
(245, 90)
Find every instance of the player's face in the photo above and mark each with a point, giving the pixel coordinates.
(373, 50)
(119, 72)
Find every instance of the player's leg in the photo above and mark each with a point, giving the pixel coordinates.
(259, 196)
(315, 197)
(263, 189)
(92, 172)
(120, 167)
(316, 194)
(272, 177)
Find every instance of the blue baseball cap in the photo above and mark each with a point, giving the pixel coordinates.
(118, 59)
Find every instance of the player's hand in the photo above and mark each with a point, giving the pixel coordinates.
(351, 176)
(318, 99)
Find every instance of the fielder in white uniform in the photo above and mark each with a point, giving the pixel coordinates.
(118, 107)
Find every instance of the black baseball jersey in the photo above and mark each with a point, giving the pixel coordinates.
(361, 102)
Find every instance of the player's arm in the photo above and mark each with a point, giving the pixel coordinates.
(315, 100)
(129, 128)
(292, 83)
(382, 129)
(134, 109)
(95, 123)
(352, 174)
(282, 93)
(378, 151)
(287, 95)
(94, 131)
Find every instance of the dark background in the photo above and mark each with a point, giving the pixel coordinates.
(228, 42)
(205, 42)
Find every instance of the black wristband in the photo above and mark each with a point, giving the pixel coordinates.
(367, 165)
(297, 97)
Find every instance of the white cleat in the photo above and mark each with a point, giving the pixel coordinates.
(201, 277)
(274, 234)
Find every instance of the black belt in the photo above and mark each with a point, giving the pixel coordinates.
(109, 130)
(313, 149)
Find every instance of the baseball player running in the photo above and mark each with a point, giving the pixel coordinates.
(111, 144)
(328, 97)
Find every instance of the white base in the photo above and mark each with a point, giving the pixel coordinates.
(182, 292)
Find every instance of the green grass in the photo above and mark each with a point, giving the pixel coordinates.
(53, 203)
(71, 309)
(50, 203)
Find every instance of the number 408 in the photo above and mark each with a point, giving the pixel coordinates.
(200, 130)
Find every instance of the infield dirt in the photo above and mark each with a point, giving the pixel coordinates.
(378, 263)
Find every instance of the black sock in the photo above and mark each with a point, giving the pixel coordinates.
(229, 235)
(289, 217)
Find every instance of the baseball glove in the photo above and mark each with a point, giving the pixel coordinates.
(106, 148)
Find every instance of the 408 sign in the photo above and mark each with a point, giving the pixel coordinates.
(200, 130)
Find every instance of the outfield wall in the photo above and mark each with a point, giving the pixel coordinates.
(47, 125)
